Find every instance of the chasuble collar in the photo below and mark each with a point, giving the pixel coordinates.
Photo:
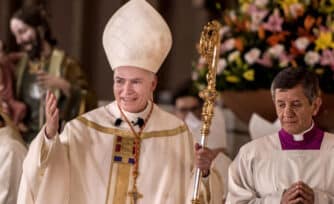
(142, 114)
(132, 117)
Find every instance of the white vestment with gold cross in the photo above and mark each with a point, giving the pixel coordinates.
(91, 162)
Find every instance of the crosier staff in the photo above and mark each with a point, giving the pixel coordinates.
(209, 49)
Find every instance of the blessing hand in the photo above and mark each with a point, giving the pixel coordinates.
(52, 115)
(49, 81)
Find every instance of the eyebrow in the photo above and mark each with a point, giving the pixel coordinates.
(294, 101)
(131, 79)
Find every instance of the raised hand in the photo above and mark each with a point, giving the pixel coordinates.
(51, 115)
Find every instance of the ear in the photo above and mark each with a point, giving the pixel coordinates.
(154, 83)
(316, 105)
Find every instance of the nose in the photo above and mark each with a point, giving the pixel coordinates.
(288, 111)
(128, 89)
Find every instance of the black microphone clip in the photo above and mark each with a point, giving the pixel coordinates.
(118, 122)
(140, 122)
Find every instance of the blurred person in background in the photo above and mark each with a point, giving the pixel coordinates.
(44, 66)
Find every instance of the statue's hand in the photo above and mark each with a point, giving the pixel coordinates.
(49, 81)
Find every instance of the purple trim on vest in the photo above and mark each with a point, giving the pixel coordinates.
(312, 140)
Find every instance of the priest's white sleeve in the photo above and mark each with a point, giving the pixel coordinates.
(323, 197)
(241, 186)
(45, 177)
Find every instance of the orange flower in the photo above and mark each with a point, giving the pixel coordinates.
(239, 44)
(241, 25)
(286, 10)
(294, 50)
(319, 20)
(261, 33)
(309, 22)
(304, 33)
(228, 20)
(300, 12)
(276, 38)
(294, 63)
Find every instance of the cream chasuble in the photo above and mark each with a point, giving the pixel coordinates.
(91, 162)
(262, 171)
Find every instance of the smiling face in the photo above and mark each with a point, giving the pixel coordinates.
(294, 110)
(133, 88)
(25, 35)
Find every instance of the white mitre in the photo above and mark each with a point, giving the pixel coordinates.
(136, 35)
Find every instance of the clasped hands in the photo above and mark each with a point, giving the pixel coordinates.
(298, 193)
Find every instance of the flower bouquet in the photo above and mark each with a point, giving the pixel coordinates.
(262, 37)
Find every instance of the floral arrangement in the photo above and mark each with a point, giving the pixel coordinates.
(262, 37)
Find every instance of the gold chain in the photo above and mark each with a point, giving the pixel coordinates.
(137, 143)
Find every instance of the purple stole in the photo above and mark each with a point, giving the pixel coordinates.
(312, 140)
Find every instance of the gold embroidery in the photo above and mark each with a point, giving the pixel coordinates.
(35, 66)
(136, 151)
(126, 146)
(55, 66)
(19, 73)
(83, 101)
(122, 183)
(119, 177)
(110, 176)
(124, 150)
(126, 133)
(44, 152)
